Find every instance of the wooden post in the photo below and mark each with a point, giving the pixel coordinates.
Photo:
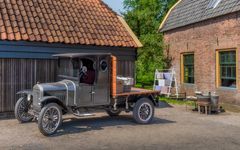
(199, 109)
(114, 76)
(206, 109)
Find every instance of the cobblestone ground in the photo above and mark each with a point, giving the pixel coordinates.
(172, 128)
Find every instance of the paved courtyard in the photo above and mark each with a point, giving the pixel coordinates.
(172, 128)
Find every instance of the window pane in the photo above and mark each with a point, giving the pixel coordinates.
(229, 83)
(64, 67)
(223, 71)
(234, 72)
(188, 62)
(75, 64)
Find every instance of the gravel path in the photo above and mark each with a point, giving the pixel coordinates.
(172, 128)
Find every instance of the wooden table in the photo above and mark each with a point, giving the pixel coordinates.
(206, 105)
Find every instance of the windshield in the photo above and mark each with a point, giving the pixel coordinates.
(68, 67)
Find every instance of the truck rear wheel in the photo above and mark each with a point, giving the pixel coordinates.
(50, 119)
(113, 113)
(21, 110)
(143, 111)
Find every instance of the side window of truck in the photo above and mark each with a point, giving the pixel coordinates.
(75, 67)
(103, 65)
(88, 77)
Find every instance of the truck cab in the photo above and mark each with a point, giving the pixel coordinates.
(91, 76)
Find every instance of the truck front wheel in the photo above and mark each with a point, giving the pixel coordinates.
(143, 111)
(50, 119)
(22, 110)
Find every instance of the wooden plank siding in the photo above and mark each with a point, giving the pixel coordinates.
(126, 68)
(21, 74)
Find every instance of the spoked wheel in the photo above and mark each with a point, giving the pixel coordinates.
(21, 110)
(50, 119)
(143, 111)
(113, 113)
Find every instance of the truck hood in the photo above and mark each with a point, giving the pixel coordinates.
(56, 86)
(65, 90)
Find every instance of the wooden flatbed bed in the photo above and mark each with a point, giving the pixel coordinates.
(138, 91)
(134, 92)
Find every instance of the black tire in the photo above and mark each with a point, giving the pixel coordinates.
(21, 111)
(143, 105)
(113, 113)
(46, 119)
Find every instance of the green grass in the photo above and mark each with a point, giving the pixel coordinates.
(175, 101)
(149, 87)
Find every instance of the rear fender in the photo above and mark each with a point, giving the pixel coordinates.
(150, 97)
(154, 99)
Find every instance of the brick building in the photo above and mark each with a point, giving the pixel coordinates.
(203, 38)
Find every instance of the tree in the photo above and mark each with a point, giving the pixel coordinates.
(144, 17)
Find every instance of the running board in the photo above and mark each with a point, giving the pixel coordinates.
(83, 115)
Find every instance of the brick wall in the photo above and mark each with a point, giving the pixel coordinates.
(204, 39)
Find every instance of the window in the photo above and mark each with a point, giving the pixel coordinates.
(213, 4)
(75, 67)
(87, 71)
(227, 69)
(64, 65)
(68, 67)
(103, 65)
(188, 68)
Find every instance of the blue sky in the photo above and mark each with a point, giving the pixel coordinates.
(116, 5)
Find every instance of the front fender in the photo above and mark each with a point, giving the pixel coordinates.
(47, 98)
(52, 99)
(25, 92)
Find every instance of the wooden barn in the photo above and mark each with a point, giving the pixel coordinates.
(31, 31)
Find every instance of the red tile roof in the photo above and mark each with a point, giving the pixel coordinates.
(86, 22)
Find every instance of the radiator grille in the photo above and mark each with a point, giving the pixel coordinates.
(36, 96)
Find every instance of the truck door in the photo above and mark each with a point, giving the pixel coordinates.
(85, 97)
(101, 89)
(86, 82)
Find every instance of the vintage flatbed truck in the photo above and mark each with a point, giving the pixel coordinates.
(86, 83)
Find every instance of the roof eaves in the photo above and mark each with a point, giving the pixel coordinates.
(136, 40)
(192, 23)
(168, 13)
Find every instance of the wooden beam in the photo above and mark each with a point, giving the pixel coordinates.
(217, 70)
(114, 76)
(237, 70)
(182, 69)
